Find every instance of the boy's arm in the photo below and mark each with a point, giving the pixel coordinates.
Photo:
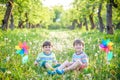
(35, 63)
(73, 60)
(37, 59)
(84, 62)
(54, 60)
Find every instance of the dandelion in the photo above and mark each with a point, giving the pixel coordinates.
(30, 43)
(34, 47)
(89, 39)
(115, 55)
(8, 58)
(89, 76)
(5, 39)
(25, 35)
(21, 38)
(12, 54)
(96, 54)
(9, 41)
(93, 47)
(8, 72)
(108, 62)
(98, 40)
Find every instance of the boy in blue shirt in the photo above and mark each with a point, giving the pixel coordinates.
(46, 58)
(79, 59)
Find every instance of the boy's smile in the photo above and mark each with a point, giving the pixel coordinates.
(47, 49)
(78, 47)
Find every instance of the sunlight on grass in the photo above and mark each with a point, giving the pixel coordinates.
(98, 69)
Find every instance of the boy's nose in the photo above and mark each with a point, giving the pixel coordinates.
(48, 49)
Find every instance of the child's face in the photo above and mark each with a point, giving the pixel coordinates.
(47, 49)
(78, 47)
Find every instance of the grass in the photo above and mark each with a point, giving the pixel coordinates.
(11, 67)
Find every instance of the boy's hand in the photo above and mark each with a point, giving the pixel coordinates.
(35, 63)
(55, 62)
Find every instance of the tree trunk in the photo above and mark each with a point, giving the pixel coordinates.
(73, 24)
(101, 25)
(118, 25)
(109, 18)
(12, 22)
(20, 24)
(9, 6)
(91, 21)
(86, 24)
(27, 24)
(80, 24)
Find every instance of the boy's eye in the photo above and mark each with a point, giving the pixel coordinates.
(80, 45)
(47, 46)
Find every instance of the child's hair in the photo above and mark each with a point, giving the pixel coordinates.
(47, 43)
(78, 41)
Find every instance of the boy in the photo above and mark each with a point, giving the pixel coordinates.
(79, 59)
(46, 58)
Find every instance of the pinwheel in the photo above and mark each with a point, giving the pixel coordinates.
(106, 46)
(22, 49)
(25, 59)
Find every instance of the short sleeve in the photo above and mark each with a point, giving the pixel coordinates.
(73, 58)
(85, 59)
(54, 58)
(38, 57)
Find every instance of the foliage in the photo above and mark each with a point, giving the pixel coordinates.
(45, 16)
(55, 25)
(37, 14)
(2, 11)
(57, 11)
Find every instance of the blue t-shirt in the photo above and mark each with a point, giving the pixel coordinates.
(82, 57)
(50, 58)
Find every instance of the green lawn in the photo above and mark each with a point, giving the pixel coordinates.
(11, 66)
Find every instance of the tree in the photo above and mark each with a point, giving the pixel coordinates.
(100, 18)
(109, 18)
(57, 12)
(86, 24)
(11, 22)
(91, 18)
(7, 15)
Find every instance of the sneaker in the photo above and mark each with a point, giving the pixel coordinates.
(57, 65)
(51, 72)
(60, 72)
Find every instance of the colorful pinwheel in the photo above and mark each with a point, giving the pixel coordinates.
(22, 49)
(106, 46)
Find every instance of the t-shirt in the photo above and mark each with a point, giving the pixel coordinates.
(82, 57)
(50, 58)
